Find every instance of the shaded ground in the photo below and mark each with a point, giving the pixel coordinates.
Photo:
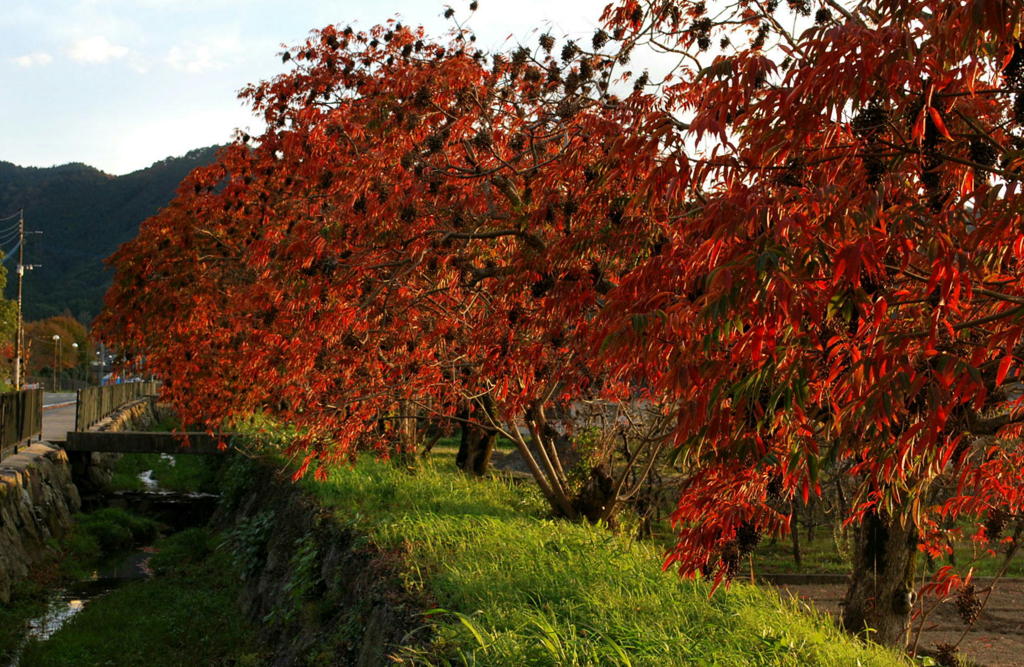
(996, 640)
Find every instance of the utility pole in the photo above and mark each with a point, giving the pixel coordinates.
(19, 336)
(19, 341)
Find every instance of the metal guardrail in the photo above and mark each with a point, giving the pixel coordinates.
(95, 403)
(21, 417)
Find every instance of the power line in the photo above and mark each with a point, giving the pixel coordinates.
(10, 253)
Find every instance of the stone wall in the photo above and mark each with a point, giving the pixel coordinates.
(319, 591)
(40, 488)
(37, 499)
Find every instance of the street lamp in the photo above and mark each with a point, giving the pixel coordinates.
(56, 360)
(74, 346)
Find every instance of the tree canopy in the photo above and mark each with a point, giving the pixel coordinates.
(414, 226)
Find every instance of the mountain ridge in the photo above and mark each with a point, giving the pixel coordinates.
(84, 214)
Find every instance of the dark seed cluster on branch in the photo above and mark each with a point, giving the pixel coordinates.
(569, 51)
(760, 37)
(968, 606)
(747, 538)
(982, 152)
(870, 120)
(701, 28)
(994, 524)
(641, 82)
(730, 560)
(946, 655)
(801, 7)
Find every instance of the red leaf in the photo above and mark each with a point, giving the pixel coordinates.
(939, 125)
(1004, 366)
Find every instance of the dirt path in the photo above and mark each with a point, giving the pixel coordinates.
(997, 639)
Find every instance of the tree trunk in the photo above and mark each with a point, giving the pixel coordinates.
(794, 533)
(406, 433)
(475, 447)
(596, 499)
(880, 594)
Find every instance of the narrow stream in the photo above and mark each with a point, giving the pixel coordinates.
(64, 603)
(176, 510)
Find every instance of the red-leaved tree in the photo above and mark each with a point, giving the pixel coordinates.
(846, 295)
(421, 231)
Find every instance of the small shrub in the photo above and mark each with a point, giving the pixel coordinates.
(183, 550)
(82, 546)
(115, 529)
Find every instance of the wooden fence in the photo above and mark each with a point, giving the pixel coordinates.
(21, 417)
(95, 403)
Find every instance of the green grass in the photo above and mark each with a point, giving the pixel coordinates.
(28, 600)
(185, 472)
(519, 589)
(187, 616)
(817, 556)
(451, 442)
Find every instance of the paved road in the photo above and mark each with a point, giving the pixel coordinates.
(57, 422)
(51, 398)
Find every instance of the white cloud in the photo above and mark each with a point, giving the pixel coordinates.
(96, 50)
(34, 59)
(212, 54)
(193, 59)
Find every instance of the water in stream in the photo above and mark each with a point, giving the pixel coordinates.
(66, 602)
(177, 510)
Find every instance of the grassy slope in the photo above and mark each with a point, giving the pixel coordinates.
(520, 589)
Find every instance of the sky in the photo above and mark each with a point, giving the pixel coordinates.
(121, 84)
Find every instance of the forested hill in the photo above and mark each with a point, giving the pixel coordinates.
(84, 215)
